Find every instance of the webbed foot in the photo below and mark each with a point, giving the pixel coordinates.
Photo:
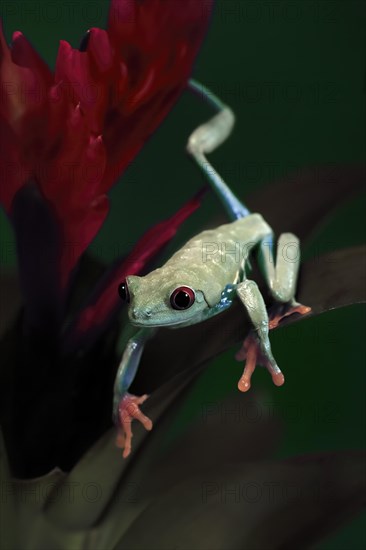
(128, 410)
(253, 355)
(279, 311)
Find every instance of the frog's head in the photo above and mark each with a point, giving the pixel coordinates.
(163, 299)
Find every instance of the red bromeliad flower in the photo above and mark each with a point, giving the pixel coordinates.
(72, 133)
(65, 138)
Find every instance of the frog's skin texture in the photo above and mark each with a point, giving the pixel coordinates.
(211, 269)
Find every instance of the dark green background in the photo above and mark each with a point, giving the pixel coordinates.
(294, 74)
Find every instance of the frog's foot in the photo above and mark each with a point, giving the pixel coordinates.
(253, 355)
(279, 311)
(128, 410)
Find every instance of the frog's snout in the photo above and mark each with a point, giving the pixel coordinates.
(136, 314)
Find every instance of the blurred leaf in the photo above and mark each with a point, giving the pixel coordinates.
(300, 201)
(67, 402)
(276, 505)
(104, 464)
(127, 486)
(228, 430)
(38, 251)
(334, 280)
(10, 299)
(7, 503)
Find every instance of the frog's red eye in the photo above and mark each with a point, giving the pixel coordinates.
(123, 292)
(182, 297)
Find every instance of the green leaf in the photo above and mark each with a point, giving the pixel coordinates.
(7, 502)
(334, 280)
(273, 505)
(103, 466)
(300, 201)
(10, 299)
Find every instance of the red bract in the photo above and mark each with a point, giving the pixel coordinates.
(74, 132)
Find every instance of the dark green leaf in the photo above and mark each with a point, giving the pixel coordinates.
(38, 240)
(103, 464)
(10, 299)
(276, 505)
(127, 486)
(7, 503)
(229, 430)
(300, 201)
(334, 280)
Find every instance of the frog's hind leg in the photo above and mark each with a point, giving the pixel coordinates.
(205, 139)
(256, 348)
(281, 275)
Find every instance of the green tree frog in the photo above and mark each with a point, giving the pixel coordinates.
(205, 276)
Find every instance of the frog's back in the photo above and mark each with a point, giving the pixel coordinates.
(215, 256)
(244, 231)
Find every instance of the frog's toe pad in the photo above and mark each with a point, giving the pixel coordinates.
(128, 410)
(277, 377)
(249, 352)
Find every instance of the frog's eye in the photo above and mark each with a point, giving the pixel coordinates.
(182, 297)
(123, 292)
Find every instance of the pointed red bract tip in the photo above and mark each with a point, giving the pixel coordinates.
(101, 50)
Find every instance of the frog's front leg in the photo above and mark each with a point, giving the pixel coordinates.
(281, 275)
(256, 348)
(125, 405)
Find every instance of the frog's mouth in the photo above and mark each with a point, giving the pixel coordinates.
(152, 324)
(140, 321)
(189, 321)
